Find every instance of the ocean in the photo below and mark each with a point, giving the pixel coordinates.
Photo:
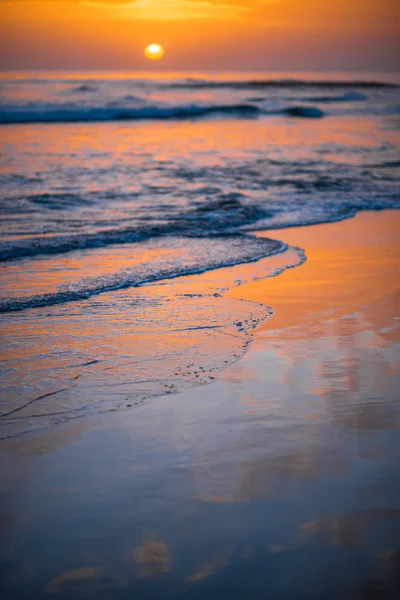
(124, 199)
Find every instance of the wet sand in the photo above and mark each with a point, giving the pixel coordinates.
(280, 479)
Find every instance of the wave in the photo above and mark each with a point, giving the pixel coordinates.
(221, 251)
(306, 112)
(189, 82)
(16, 115)
(352, 96)
(85, 88)
(348, 97)
(224, 217)
(392, 164)
(281, 83)
(221, 217)
(52, 114)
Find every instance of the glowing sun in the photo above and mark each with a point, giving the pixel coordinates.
(154, 51)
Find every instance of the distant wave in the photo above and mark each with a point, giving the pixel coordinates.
(306, 112)
(85, 88)
(53, 114)
(197, 82)
(281, 83)
(353, 96)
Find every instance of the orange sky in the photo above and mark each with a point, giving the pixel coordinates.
(201, 34)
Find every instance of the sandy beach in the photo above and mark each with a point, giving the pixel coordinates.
(199, 300)
(280, 476)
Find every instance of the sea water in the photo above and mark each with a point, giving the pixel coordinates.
(120, 193)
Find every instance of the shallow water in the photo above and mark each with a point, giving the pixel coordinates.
(125, 347)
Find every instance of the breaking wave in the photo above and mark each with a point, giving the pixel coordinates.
(54, 114)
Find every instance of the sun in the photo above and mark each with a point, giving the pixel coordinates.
(154, 51)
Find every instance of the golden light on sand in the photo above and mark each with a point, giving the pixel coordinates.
(154, 51)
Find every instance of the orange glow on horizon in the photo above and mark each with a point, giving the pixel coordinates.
(251, 35)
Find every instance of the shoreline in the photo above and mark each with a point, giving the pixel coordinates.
(268, 284)
(289, 460)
